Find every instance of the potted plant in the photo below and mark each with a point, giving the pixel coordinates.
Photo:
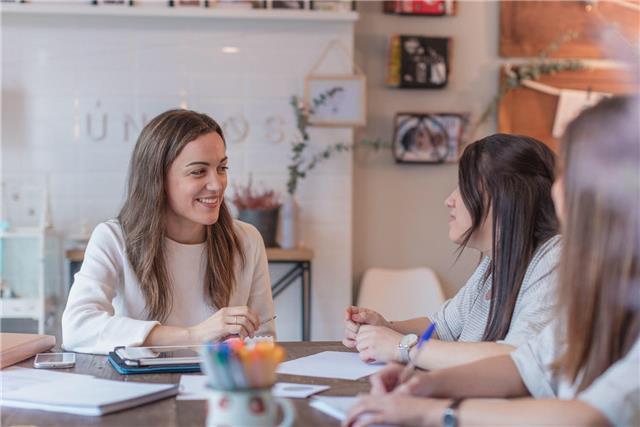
(260, 208)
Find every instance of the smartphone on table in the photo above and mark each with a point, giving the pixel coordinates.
(54, 360)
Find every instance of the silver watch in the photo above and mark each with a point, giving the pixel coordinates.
(405, 345)
(450, 415)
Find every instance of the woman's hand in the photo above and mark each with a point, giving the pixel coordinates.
(365, 316)
(386, 380)
(240, 321)
(396, 409)
(356, 316)
(378, 343)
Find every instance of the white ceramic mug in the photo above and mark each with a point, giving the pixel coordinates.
(249, 407)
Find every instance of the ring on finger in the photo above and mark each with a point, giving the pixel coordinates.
(235, 320)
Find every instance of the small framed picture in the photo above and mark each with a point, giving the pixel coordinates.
(287, 4)
(336, 100)
(428, 137)
(334, 5)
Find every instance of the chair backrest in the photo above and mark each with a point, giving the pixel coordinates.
(401, 294)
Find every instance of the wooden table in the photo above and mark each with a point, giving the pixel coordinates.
(172, 412)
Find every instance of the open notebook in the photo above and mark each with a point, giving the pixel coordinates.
(76, 394)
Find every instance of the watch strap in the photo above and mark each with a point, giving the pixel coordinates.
(450, 416)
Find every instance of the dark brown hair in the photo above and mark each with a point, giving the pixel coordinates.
(143, 214)
(511, 176)
(600, 268)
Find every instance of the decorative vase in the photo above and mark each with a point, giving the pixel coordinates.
(265, 220)
(289, 222)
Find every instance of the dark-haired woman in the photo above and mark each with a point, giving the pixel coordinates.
(584, 368)
(174, 268)
(502, 208)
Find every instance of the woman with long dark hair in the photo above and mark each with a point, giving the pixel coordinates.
(174, 267)
(584, 368)
(502, 208)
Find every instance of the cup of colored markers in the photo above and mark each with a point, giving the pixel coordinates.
(239, 378)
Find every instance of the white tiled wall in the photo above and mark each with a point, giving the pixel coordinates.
(63, 75)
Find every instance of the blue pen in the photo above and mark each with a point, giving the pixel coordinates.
(426, 335)
(408, 370)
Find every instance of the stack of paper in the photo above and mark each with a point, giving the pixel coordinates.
(75, 394)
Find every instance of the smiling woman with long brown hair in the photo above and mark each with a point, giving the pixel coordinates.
(584, 369)
(174, 267)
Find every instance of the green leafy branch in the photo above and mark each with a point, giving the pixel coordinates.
(300, 166)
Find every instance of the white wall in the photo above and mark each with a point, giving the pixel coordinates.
(63, 75)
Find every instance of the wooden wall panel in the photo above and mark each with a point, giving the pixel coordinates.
(528, 27)
(530, 112)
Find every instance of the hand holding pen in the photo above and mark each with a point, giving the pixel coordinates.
(408, 370)
(240, 321)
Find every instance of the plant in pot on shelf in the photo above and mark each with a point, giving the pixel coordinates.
(260, 208)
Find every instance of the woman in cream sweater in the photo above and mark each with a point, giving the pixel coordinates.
(174, 268)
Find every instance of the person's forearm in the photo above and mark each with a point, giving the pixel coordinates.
(410, 326)
(493, 377)
(168, 335)
(438, 354)
(530, 412)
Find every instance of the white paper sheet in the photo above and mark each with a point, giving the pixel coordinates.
(194, 387)
(338, 407)
(297, 391)
(330, 364)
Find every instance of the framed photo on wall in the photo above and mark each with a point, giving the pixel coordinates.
(418, 62)
(338, 100)
(334, 5)
(287, 4)
(420, 7)
(428, 137)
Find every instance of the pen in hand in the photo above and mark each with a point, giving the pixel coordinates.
(262, 322)
(408, 370)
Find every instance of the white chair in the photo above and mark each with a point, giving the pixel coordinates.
(401, 294)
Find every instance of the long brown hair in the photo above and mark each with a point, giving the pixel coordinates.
(600, 268)
(143, 215)
(511, 176)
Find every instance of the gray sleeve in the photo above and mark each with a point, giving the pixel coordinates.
(616, 393)
(532, 360)
(534, 308)
(453, 314)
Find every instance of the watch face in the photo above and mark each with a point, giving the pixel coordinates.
(409, 340)
(449, 419)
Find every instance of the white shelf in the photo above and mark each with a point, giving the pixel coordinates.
(23, 232)
(176, 12)
(19, 308)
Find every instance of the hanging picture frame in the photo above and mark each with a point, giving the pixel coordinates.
(336, 100)
(428, 137)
